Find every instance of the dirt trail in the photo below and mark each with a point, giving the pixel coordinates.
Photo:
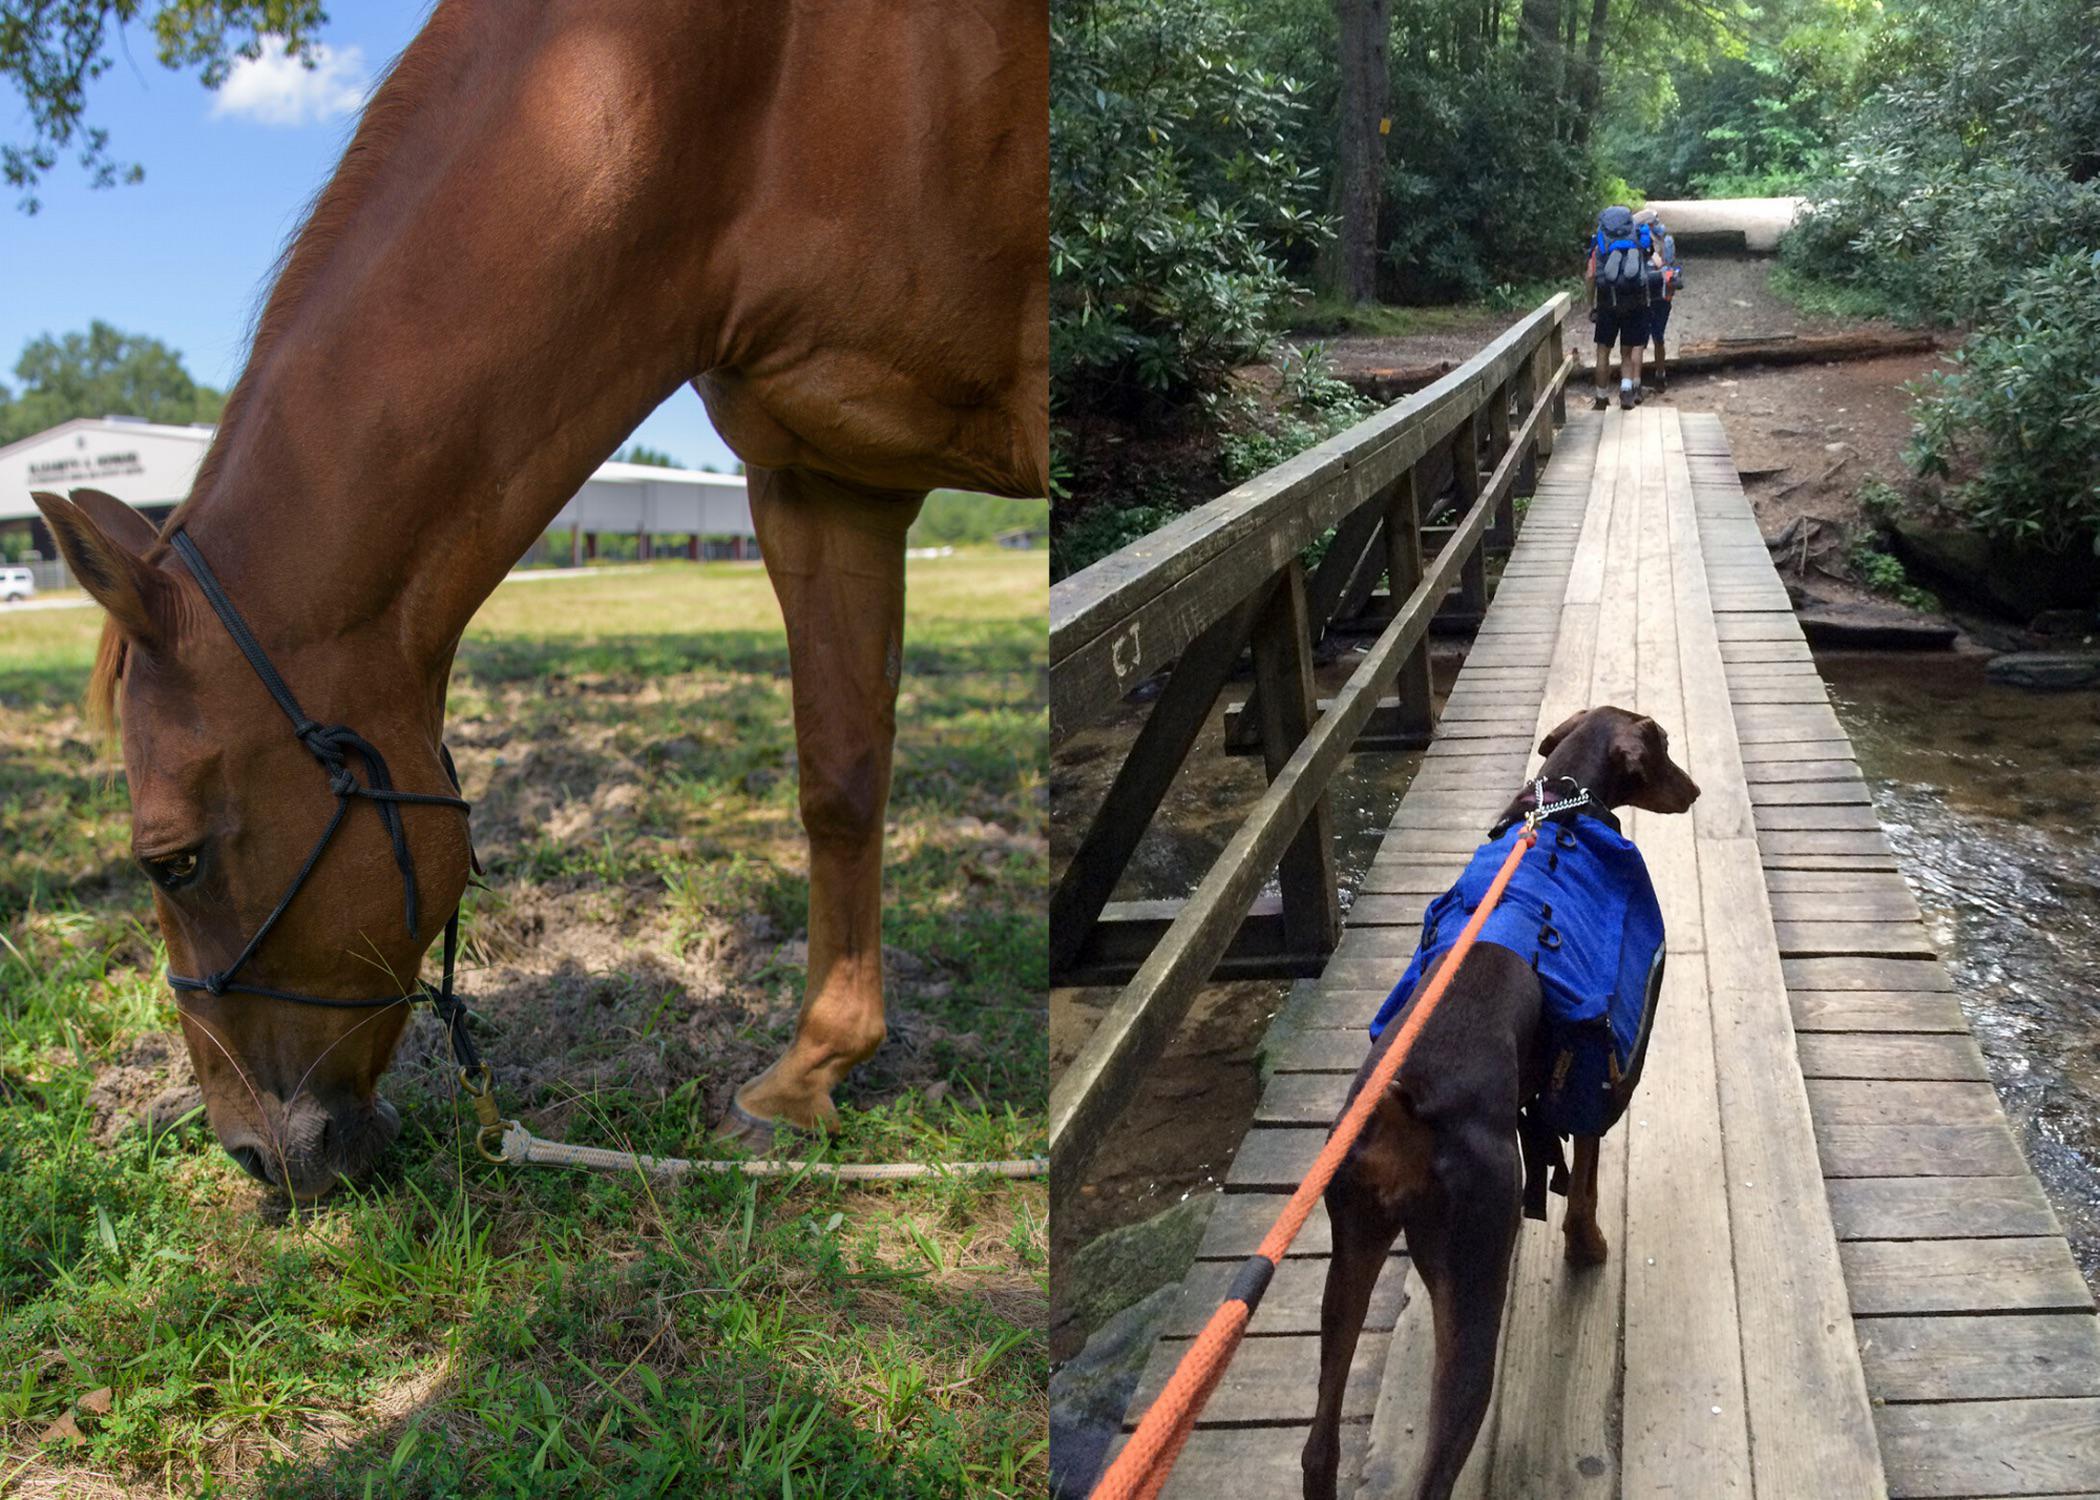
(1805, 436)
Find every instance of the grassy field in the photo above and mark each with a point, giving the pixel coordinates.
(453, 1328)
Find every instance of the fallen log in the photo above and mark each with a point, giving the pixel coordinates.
(1796, 349)
(1391, 382)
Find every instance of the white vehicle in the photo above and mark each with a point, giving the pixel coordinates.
(16, 584)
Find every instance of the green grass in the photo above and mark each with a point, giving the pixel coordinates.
(451, 1328)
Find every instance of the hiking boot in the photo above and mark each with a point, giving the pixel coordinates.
(1662, 382)
(1627, 399)
(1601, 402)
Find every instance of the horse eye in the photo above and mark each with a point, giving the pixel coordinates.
(173, 870)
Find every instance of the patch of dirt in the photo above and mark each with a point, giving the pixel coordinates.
(149, 1083)
(1805, 439)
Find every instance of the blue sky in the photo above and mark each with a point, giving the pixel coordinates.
(182, 255)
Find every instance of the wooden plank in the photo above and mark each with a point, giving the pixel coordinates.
(1875, 1010)
(1760, 754)
(1272, 1382)
(1303, 1099)
(1919, 1151)
(1548, 1428)
(1988, 1358)
(1857, 1054)
(1810, 1422)
(1273, 1160)
(1883, 1101)
(1863, 843)
(1777, 770)
(1869, 939)
(1935, 1276)
(1291, 1305)
(1934, 1208)
(1962, 1448)
(1246, 1461)
(1864, 974)
(1795, 818)
(1839, 905)
(1778, 794)
(1872, 882)
(1683, 1354)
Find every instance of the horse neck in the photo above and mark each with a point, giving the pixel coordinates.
(460, 335)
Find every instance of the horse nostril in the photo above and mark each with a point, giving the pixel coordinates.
(253, 1162)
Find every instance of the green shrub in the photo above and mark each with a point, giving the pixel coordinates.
(2015, 428)
(1174, 195)
(1885, 575)
(1485, 187)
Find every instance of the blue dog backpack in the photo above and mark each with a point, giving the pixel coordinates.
(1581, 910)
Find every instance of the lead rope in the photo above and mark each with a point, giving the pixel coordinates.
(1148, 1458)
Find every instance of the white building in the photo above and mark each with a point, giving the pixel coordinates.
(151, 465)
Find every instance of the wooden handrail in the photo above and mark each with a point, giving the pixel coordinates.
(1114, 624)
(1175, 592)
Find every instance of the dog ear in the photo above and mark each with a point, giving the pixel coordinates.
(1561, 731)
(141, 598)
(1640, 753)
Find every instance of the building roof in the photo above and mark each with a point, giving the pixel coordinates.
(154, 463)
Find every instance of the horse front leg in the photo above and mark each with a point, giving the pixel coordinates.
(835, 554)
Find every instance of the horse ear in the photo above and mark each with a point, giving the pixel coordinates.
(119, 522)
(106, 559)
(1561, 731)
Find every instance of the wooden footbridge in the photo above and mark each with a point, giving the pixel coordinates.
(1831, 1274)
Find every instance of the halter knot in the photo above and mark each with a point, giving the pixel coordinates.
(215, 983)
(340, 781)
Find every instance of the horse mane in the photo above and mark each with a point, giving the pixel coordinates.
(408, 82)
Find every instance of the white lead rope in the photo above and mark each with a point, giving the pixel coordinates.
(521, 1147)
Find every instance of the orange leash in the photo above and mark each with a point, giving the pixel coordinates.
(1146, 1460)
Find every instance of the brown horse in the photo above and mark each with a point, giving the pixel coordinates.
(830, 218)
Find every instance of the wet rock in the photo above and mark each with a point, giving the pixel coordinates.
(1125, 1265)
(2065, 622)
(2046, 671)
(1089, 1395)
(1874, 627)
(2014, 581)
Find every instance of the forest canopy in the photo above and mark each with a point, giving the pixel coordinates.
(1227, 170)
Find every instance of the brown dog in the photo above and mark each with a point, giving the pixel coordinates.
(1440, 1156)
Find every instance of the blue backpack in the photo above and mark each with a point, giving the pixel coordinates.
(1623, 248)
(1582, 911)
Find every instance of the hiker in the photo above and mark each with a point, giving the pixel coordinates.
(1621, 254)
(1664, 278)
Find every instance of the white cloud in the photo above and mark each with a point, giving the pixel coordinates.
(275, 89)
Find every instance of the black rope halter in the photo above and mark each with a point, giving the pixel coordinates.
(333, 745)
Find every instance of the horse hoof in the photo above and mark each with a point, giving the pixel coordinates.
(747, 1130)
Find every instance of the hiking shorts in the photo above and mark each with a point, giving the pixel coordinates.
(1658, 317)
(1625, 326)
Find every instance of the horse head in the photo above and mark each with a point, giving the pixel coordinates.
(294, 949)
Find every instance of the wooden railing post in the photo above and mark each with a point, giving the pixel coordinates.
(1528, 395)
(1465, 489)
(1403, 571)
(1556, 342)
(1283, 676)
(1503, 534)
(1149, 767)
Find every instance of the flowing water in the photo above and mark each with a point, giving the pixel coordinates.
(1988, 795)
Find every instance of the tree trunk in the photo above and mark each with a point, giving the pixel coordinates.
(1538, 33)
(1592, 70)
(1365, 26)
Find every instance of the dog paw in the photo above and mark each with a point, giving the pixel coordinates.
(1586, 1249)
